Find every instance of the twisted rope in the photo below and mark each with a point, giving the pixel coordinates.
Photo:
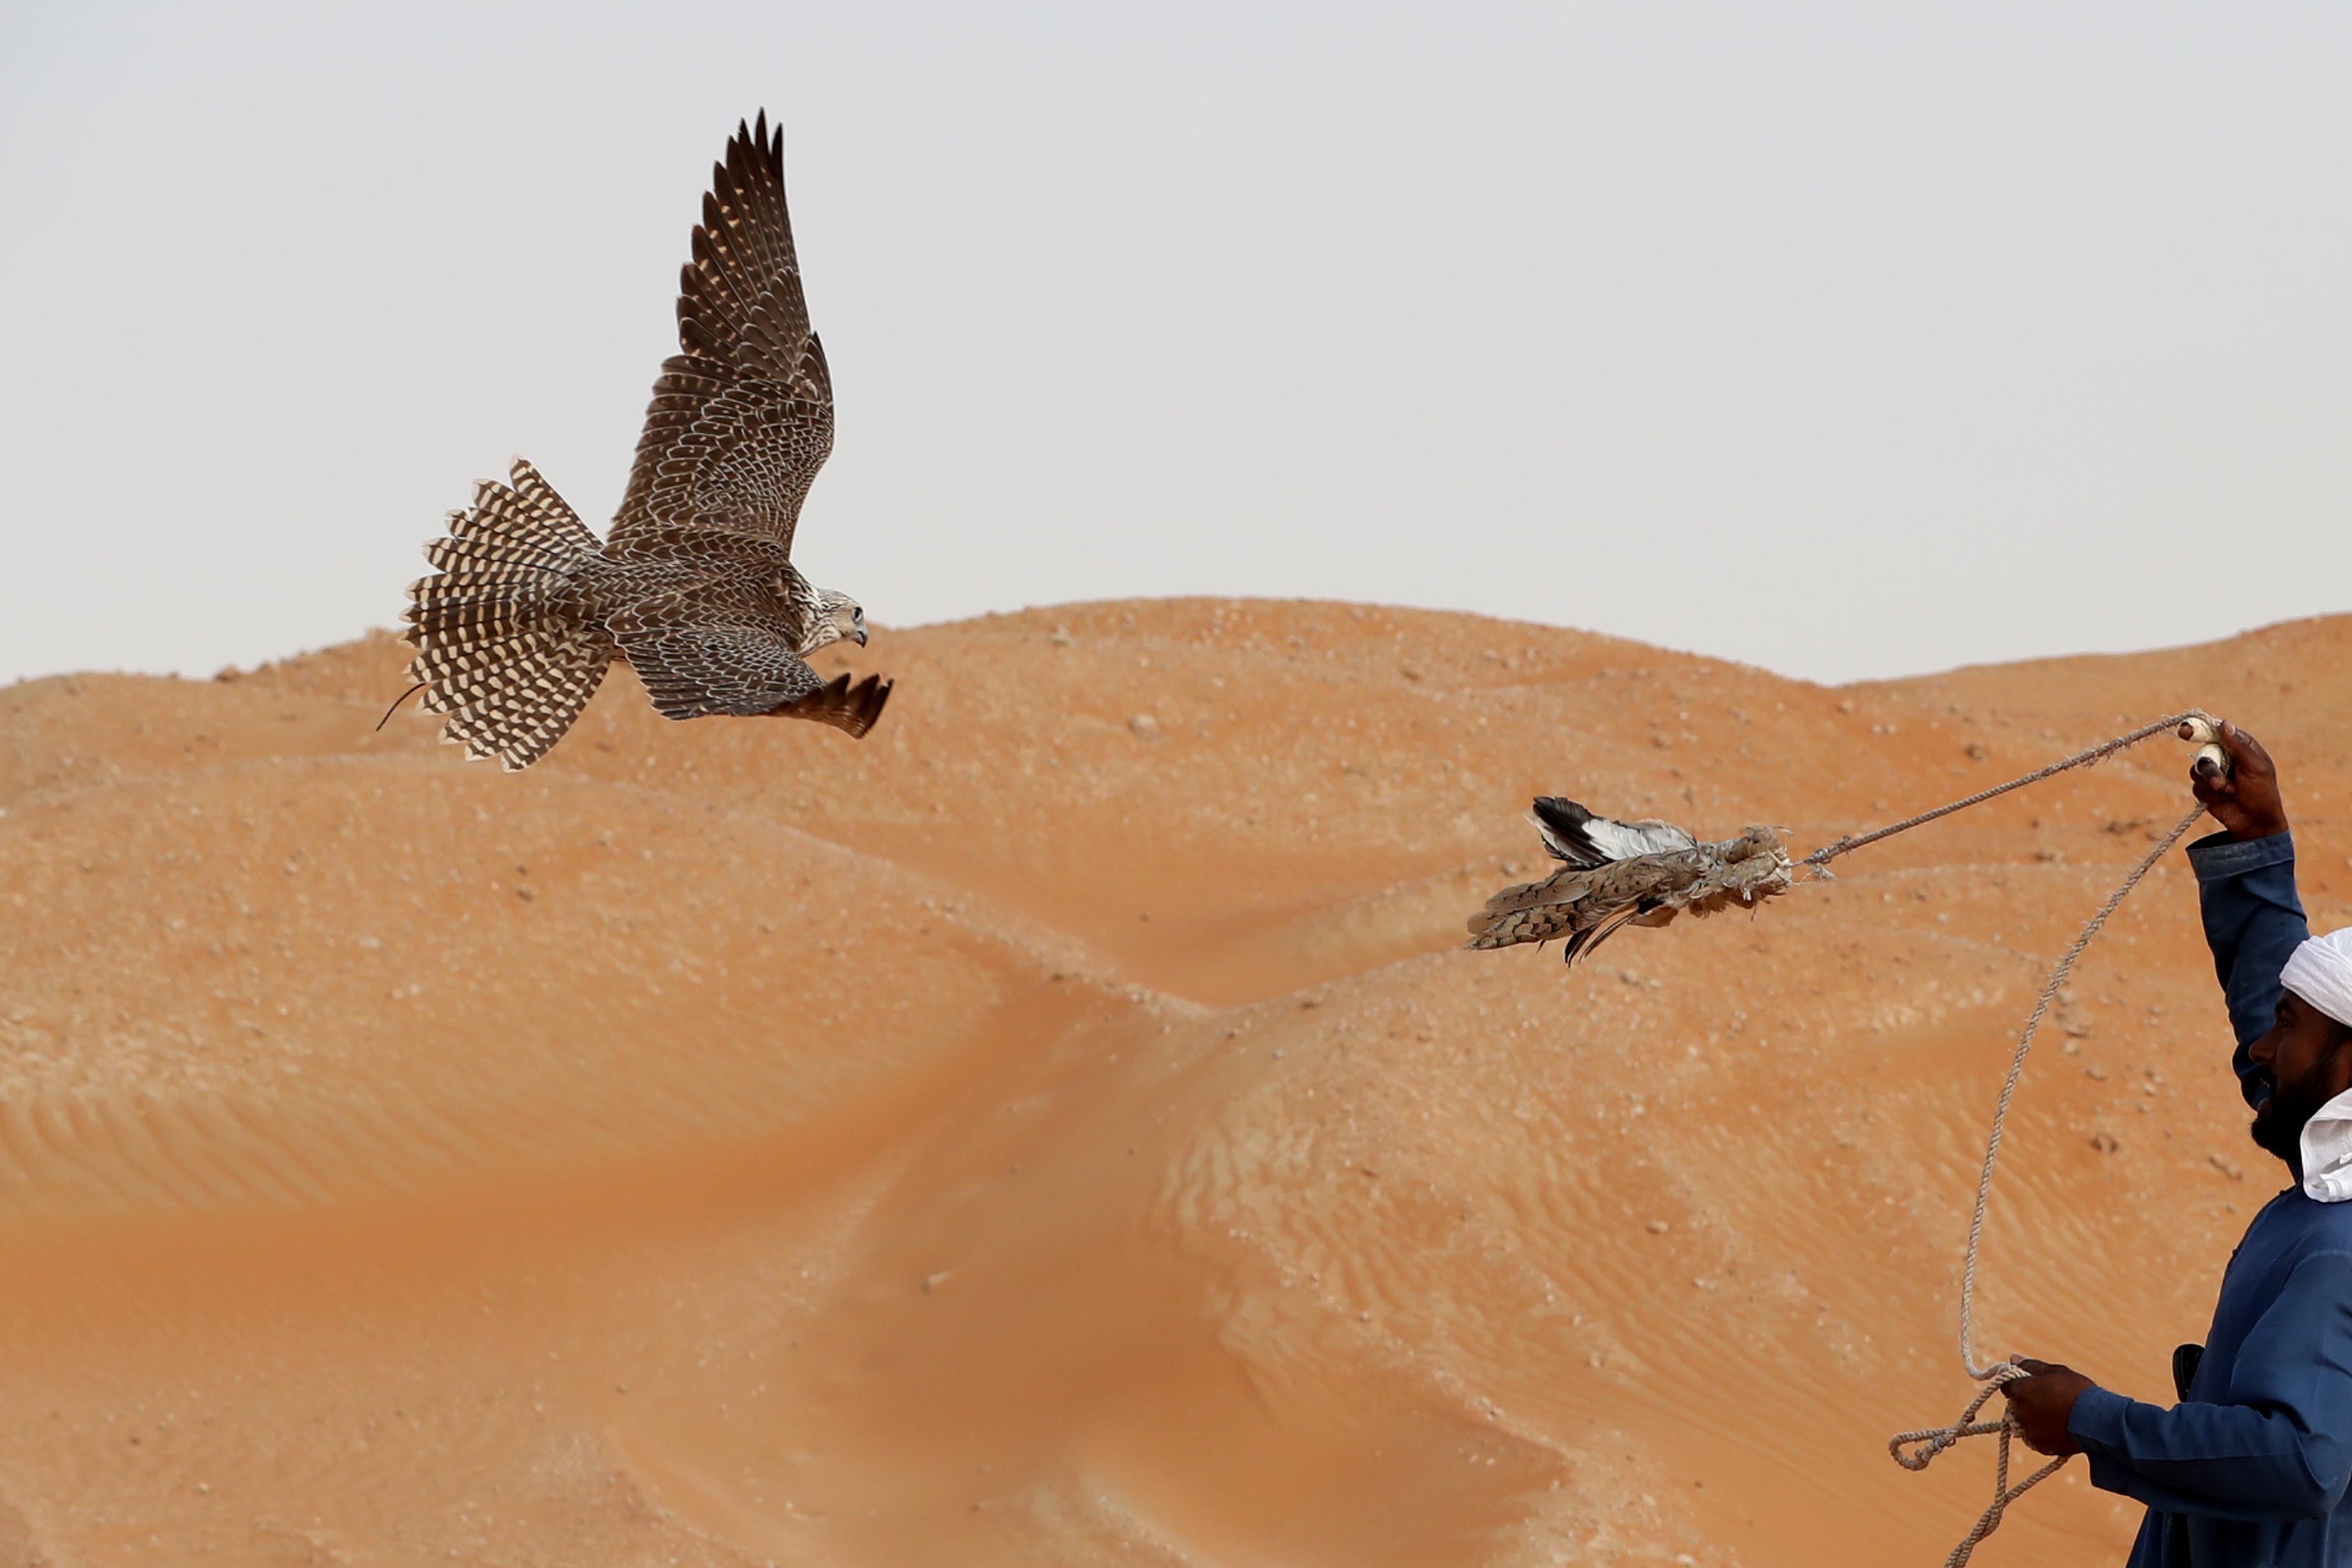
(1928, 1442)
(1933, 1441)
(2098, 753)
(1916, 1450)
(2049, 989)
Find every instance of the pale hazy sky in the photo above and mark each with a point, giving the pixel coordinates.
(1843, 338)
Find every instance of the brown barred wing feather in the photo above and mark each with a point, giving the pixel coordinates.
(742, 419)
(851, 707)
(692, 671)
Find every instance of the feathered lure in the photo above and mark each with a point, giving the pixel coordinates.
(1627, 873)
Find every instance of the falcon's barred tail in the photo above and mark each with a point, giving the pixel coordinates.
(502, 649)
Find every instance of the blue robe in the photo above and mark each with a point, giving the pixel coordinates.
(2256, 1459)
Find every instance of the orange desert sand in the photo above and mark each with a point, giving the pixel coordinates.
(1063, 1129)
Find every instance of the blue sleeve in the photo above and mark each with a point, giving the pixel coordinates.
(2252, 921)
(2282, 1450)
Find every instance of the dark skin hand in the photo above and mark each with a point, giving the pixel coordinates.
(2245, 801)
(2043, 1403)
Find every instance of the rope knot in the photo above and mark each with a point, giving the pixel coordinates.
(1917, 1450)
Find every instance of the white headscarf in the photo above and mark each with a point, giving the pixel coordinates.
(2320, 971)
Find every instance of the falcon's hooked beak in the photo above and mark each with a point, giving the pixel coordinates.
(846, 617)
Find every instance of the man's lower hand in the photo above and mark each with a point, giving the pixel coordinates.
(2043, 1403)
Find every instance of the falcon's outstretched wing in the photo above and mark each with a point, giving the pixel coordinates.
(742, 419)
(691, 670)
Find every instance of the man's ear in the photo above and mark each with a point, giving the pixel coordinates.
(2338, 1055)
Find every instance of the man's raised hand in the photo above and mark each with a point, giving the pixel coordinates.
(2246, 800)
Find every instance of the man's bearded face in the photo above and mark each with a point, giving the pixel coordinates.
(2303, 1062)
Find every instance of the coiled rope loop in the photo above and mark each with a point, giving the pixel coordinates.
(1924, 1445)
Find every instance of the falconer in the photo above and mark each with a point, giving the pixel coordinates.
(2250, 1467)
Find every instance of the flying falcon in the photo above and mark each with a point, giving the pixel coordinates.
(695, 585)
(1626, 873)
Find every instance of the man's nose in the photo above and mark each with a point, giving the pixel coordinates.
(2263, 1051)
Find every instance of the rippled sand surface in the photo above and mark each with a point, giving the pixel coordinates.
(1061, 1130)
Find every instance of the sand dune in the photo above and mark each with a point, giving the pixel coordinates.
(1062, 1129)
